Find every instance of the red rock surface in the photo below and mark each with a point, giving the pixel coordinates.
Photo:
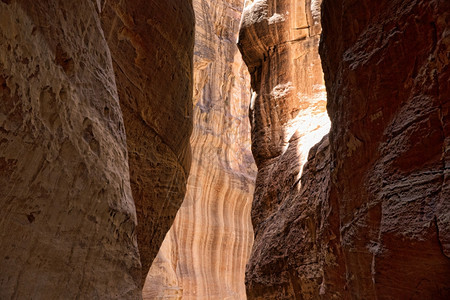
(67, 216)
(387, 73)
(370, 216)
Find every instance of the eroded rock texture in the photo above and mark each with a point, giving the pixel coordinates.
(67, 217)
(205, 252)
(387, 74)
(151, 44)
(370, 217)
(279, 42)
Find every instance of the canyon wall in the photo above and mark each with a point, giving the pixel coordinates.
(151, 45)
(67, 218)
(369, 217)
(205, 252)
(279, 43)
(387, 73)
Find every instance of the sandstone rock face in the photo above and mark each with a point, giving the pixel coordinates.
(205, 252)
(151, 44)
(369, 218)
(67, 217)
(387, 75)
(288, 115)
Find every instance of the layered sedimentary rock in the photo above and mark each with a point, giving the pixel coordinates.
(67, 217)
(151, 45)
(205, 252)
(288, 115)
(369, 217)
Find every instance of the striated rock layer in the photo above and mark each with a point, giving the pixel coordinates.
(67, 217)
(205, 252)
(370, 217)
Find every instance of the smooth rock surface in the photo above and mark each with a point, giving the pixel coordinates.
(205, 252)
(151, 44)
(369, 218)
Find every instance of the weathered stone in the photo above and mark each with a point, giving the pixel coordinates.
(151, 44)
(387, 71)
(370, 219)
(67, 218)
(205, 252)
(288, 115)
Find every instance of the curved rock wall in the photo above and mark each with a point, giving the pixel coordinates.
(151, 44)
(205, 252)
(67, 217)
(369, 217)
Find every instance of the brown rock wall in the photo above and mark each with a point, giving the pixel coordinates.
(67, 215)
(387, 78)
(151, 44)
(68, 221)
(369, 217)
(279, 42)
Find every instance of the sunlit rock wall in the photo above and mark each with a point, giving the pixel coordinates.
(205, 252)
(279, 41)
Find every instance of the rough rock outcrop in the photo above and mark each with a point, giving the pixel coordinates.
(387, 73)
(67, 217)
(370, 217)
(205, 252)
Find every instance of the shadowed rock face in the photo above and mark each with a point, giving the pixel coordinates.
(151, 45)
(205, 252)
(370, 217)
(387, 74)
(67, 217)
